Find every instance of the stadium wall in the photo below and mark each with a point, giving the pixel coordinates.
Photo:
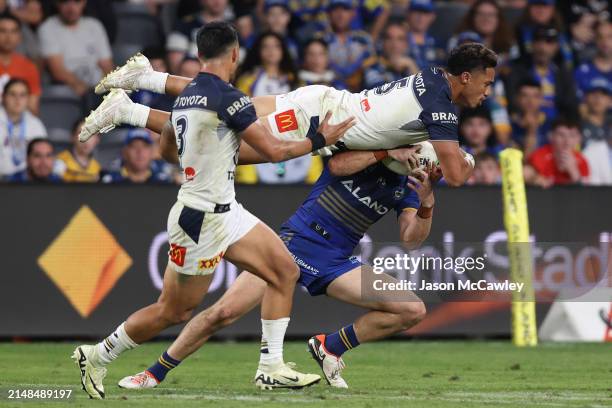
(79, 259)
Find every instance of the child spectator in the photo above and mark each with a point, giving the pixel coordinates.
(476, 132)
(17, 127)
(486, 170)
(529, 125)
(77, 164)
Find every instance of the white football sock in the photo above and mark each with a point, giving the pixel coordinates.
(111, 347)
(153, 81)
(273, 335)
(134, 114)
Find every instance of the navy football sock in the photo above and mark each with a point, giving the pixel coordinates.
(342, 340)
(162, 366)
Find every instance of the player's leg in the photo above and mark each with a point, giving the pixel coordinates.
(242, 296)
(262, 253)
(180, 296)
(386, 317)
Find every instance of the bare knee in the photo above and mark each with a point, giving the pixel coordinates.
(172, 315)
(285, 272)
(410, 314)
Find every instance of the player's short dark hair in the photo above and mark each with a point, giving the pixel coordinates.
(470, 57)
(36, 141)
(9, 16)
(215, 39)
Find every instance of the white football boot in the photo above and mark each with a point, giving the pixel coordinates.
(330, 364)
(125, 76)
(106, 116)
(283, 376)
(139, 381)
(92, 375)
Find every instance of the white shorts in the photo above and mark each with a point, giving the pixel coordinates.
(198, 240)
(299, 112)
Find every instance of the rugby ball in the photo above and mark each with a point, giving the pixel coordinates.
(426, 155)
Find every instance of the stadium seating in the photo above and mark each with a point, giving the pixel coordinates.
(60, 108)
(136, 26)
(448, 16)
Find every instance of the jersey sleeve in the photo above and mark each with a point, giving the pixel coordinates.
(237, 110)
(439, 115)
(410, 201)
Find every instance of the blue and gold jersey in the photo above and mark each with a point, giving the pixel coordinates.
(341, 209)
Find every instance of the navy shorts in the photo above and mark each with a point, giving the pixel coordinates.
(320, 263)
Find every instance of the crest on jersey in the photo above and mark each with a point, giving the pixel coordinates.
(286, 121)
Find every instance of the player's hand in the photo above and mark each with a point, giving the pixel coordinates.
(421, 183)
(406, 154)
(332, 133)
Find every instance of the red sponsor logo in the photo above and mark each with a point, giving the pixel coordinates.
(177, 254)
(286, 121)
(365, 105)
(210, 263)
(189, 173)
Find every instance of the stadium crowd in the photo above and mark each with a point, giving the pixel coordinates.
(552, 96)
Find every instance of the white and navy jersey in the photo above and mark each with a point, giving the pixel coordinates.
(208, 117)
(407, 111)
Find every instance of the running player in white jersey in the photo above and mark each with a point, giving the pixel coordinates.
(416, 108)
(208, 121)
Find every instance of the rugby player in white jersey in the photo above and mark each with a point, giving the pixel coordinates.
(413, 109)
(209, 119)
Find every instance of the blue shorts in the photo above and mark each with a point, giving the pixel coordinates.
(320, 263)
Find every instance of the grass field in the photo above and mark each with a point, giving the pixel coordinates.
(390, 374)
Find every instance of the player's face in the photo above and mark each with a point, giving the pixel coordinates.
(316, 58)
(40, 161)
(70, 11)
(16, 99)
(477, 88)
(138, 155)
(395, 42)
(271, 51)
(9, 35)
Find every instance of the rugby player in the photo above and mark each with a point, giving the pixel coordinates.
(206, 223)
(419, 107)
(353, 192)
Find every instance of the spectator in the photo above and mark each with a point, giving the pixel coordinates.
(596, 128)
(315, 69)
(76, 48)
(542, 13)
(486, 19)
(137, 168)
(190, 67)
(556, 82)
(157, 57)
(486, 170)
(421, 45)
(30, 14)
(181, 41)
(559, 162)
(348, 49)
(277, 17)
(77, 164)
(601, 66)
(529, 125)
(305, 169)
(268, 68)
(15, 65)
(581, 20)
(17, 127)
(246, 32)
(40, 162)
(394, 62)
(476, 132)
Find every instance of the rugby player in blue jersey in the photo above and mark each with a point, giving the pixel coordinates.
(354, 191)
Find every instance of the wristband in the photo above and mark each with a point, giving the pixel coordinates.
(380, 154)
(318, 141)
(425, 212)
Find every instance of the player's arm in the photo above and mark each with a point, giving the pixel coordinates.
(457, 165)
(351, 162)
(275, 150)
(415, 224)
(167, 144)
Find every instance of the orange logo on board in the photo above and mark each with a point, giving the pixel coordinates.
(286, 121)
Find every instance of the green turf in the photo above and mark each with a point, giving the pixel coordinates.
(387, 374)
